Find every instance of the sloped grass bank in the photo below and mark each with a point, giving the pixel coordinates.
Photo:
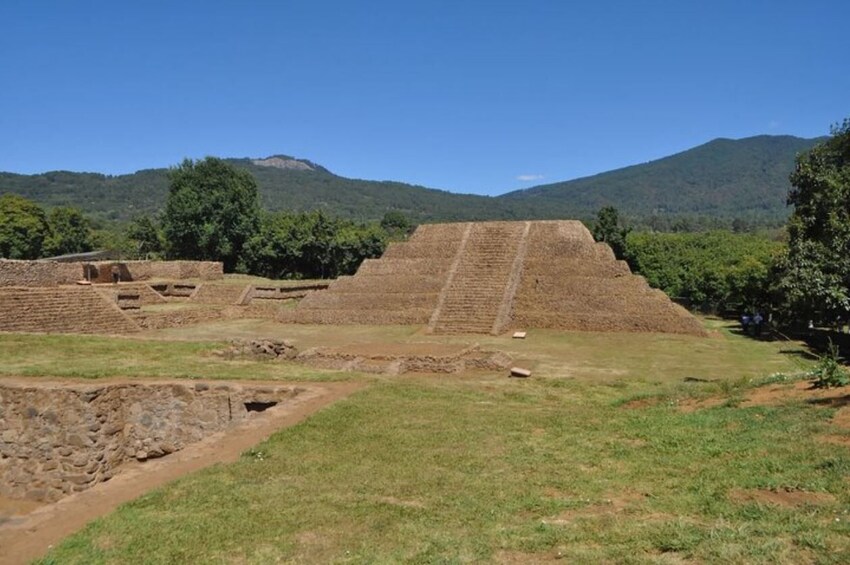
(457, 470)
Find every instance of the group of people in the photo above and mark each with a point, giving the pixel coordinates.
(752, 324)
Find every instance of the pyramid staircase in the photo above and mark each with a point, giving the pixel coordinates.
(480, 284)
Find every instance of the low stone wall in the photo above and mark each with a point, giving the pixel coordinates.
(39, 273)
(52, 273)
(56, 440)
(101, 271)
(408, 358)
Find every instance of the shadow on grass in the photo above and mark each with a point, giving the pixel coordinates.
(800, 353)
(818, 340)
(836, 402)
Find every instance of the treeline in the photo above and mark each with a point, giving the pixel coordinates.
(288, 245)
(213, 213)
(28, 231)
(801, 274)
(713, 271)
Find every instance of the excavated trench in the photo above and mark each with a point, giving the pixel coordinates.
(58, 439)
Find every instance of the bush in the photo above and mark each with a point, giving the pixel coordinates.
(829, 372)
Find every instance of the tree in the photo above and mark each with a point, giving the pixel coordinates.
(609, 230)
(23, 228)
(815, 280)
(147, 237)
(396, 224)
(70, 232)
(311, 245)
(212, 211)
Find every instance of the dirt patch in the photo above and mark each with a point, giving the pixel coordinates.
(507, 557)
(784, 498)
(615, 504)
(646, 402)
(689, 405)
(393, 501)
(774, 395)
(834, 440)
(16, 507)
(842, 418)
(24, 538)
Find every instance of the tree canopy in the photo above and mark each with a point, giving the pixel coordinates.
(23, 228)
(712, 271)
(609, 230)
(70, 232)
(212, 210)
(816, 272)
(28, 232)
(311, 245)
(147, 237)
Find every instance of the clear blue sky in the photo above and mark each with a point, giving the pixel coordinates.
(467, 96)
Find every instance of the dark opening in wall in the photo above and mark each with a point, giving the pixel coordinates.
(259, 406)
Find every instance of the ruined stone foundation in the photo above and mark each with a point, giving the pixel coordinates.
(60, 439)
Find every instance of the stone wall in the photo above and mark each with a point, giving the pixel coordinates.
(56, 440)
(101, 271)
(39, 273)
(52, 273)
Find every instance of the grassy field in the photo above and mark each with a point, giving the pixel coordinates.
(592, 459)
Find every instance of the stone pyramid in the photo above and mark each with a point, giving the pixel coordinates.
(493, 277)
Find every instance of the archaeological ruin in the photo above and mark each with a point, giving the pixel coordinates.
(493, 277)
(52, 297)
(58, 438)
(461, 278)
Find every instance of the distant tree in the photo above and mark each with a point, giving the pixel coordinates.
(23, 228)
(147, 237)
(739, 225)
(816, 273)
(70, 232)
(212, 211)
(396, 224)
(609, 230)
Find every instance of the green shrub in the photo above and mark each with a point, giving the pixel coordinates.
(829, 371)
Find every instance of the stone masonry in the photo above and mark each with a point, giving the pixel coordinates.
(56, 440)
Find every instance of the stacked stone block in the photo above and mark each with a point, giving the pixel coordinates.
(57, 440)
(73, 309)
(402, 287)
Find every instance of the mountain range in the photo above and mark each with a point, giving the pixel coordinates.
(724, 178)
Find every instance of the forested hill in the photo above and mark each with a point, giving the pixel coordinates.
(284, 183)
(745, 178)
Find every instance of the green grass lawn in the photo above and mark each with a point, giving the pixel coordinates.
(484, 468)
